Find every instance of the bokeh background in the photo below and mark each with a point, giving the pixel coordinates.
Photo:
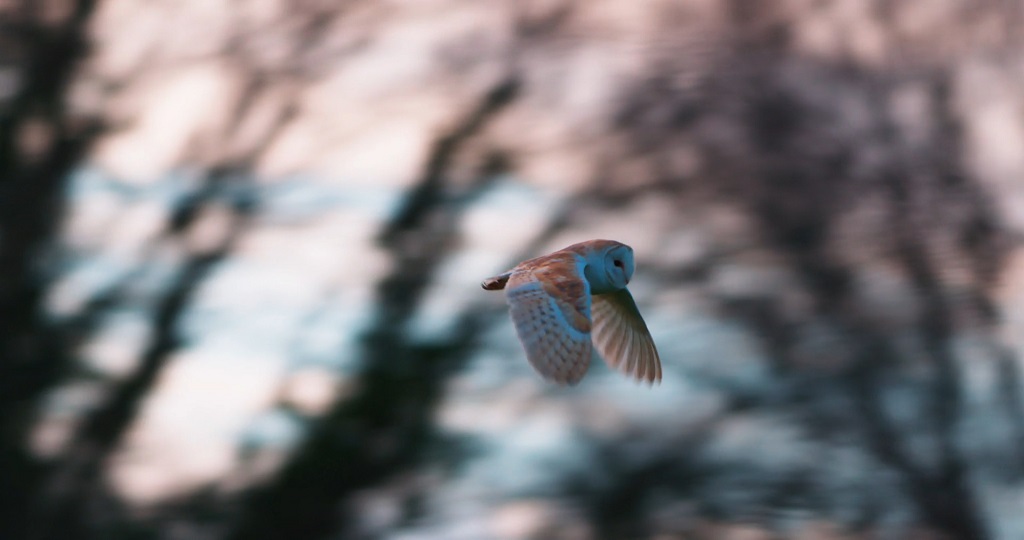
(241, 245)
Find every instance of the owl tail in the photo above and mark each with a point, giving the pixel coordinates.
(496, 283)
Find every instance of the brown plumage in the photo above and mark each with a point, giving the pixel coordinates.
(568, 302)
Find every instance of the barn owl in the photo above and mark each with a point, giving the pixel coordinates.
(572, 300)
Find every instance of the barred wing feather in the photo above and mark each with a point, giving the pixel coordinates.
(550, 306)
(622, 338)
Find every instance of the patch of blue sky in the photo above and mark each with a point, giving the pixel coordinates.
(262, 309)
(287, 199)
(91, 180)
(154, 275)
(82, 279)
(529, 458)
(507, 218)
(303, 197)
(436, 318)
(490, 369)
(274, 428)
(86, 181)
(329, 336)
(675, 396)
(714, 353)
(499, 360)
(509, 192)
(264, 331)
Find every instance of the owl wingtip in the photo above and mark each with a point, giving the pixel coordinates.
(649, 380)
(650, 383)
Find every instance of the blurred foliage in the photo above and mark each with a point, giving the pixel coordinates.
(836, 173)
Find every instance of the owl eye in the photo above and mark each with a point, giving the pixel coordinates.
(617, 263)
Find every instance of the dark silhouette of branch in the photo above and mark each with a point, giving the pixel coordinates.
(61, 509)
(945, 495)
(1012, 399)
(424, 196)
(39, 145)
(383, 429)
(30, 191)
(63, 504)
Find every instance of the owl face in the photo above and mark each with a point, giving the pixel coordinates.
(619, 266)
(609, 268)
(573, 301)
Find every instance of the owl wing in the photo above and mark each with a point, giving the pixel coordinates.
(549, 301)
(622, 338)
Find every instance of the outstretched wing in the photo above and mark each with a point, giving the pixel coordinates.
(549, 300)
(622, 338)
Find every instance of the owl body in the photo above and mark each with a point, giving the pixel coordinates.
(571, 301)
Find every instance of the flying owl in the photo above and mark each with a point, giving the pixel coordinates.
(566, 303)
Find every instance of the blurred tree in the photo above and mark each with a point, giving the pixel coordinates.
(402, 381)
(41, 141)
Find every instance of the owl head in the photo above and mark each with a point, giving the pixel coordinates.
(609, 264)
